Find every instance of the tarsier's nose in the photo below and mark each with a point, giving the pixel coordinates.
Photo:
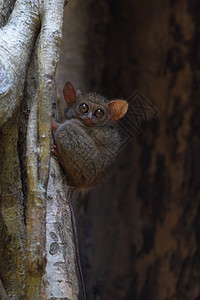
(88, 121)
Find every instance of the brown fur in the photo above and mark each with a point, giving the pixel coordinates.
(88, 145)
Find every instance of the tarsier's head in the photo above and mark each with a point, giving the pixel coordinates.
(93, 109)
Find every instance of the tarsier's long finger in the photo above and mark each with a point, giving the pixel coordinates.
(54, 124)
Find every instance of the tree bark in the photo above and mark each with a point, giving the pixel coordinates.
(30, 41)
(151, 235)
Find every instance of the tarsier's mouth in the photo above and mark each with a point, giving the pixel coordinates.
(88, 122)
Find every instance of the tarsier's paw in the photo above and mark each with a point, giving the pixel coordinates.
(54, 150)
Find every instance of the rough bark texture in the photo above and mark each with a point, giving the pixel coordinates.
(30, 41)
(140, 228)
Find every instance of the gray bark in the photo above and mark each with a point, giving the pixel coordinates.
(29, 51)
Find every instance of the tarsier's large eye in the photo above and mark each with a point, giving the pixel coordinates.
(99, 113)
(83, 108)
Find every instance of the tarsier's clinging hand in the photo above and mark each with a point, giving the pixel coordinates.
(87, 143)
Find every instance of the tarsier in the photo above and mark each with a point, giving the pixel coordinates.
(87, 143)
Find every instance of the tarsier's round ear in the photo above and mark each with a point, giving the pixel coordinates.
(117, 109)
(70, 94)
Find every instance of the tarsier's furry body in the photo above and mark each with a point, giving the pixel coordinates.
(87, 143)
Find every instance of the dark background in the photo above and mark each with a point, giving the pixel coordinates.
(139, 230)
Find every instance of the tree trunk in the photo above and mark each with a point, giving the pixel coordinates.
(37, 253)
